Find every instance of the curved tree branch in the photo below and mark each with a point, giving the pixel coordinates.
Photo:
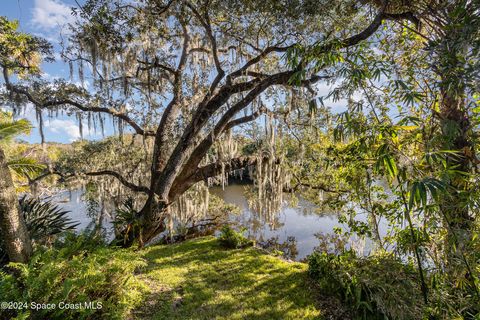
(208, 171)
(120, 178)
(111, 173)
(213, 42)
(59, 102)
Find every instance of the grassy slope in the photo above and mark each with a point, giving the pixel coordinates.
(200, 280)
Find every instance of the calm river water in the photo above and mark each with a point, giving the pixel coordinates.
(295, 231)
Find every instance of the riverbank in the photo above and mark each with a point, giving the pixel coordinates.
(198, 279)
(293, 230)
(195, 279)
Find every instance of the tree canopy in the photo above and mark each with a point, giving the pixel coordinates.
(198, 91)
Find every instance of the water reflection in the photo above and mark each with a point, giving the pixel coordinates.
(297, 230)
(300, 223)
(96, 217)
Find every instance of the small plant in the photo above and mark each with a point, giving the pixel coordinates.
(45, 219)
(126, 218)
(231, 239)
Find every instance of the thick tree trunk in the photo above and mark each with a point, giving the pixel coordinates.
(12, 225)
(456, 127)
(149, 223)
(152, 217)
(459, 223)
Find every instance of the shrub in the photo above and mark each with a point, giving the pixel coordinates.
(231, 239)
(126, 219)
(81, 271)
(377, 287)
(45, 219)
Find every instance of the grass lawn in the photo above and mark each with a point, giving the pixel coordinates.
(198, 279)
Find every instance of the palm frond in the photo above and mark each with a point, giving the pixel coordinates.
(25, 167)
(125, 215)
(45, 219)
(11, 128)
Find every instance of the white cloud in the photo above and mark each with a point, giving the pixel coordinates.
(57, 56)
(62, 127)
(29, 113)
(323, 89)
(47, 76)
(51, 14)
(68, 129)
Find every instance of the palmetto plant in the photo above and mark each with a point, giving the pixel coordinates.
(44, 219)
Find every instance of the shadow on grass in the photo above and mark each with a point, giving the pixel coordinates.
(204, 281)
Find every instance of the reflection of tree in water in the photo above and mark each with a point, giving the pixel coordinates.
(258, 217)
(100, 208)
(288, 247)
(257, 222)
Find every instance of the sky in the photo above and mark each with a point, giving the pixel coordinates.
(47, 19)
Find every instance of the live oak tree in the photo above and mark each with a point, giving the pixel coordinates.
(180, 73)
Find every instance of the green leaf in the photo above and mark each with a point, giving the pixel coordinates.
(10, 128)
(25, 167)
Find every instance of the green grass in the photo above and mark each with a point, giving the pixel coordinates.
(198, 279)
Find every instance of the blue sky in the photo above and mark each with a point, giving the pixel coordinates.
(47, 19)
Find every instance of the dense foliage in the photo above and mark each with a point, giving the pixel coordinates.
(44, 220)
(187, 83)
(376, 287)
(77, 270)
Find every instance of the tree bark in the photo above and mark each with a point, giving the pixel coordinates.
(150, 223)
(12, 225)
(459, 223)
(456, 128)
